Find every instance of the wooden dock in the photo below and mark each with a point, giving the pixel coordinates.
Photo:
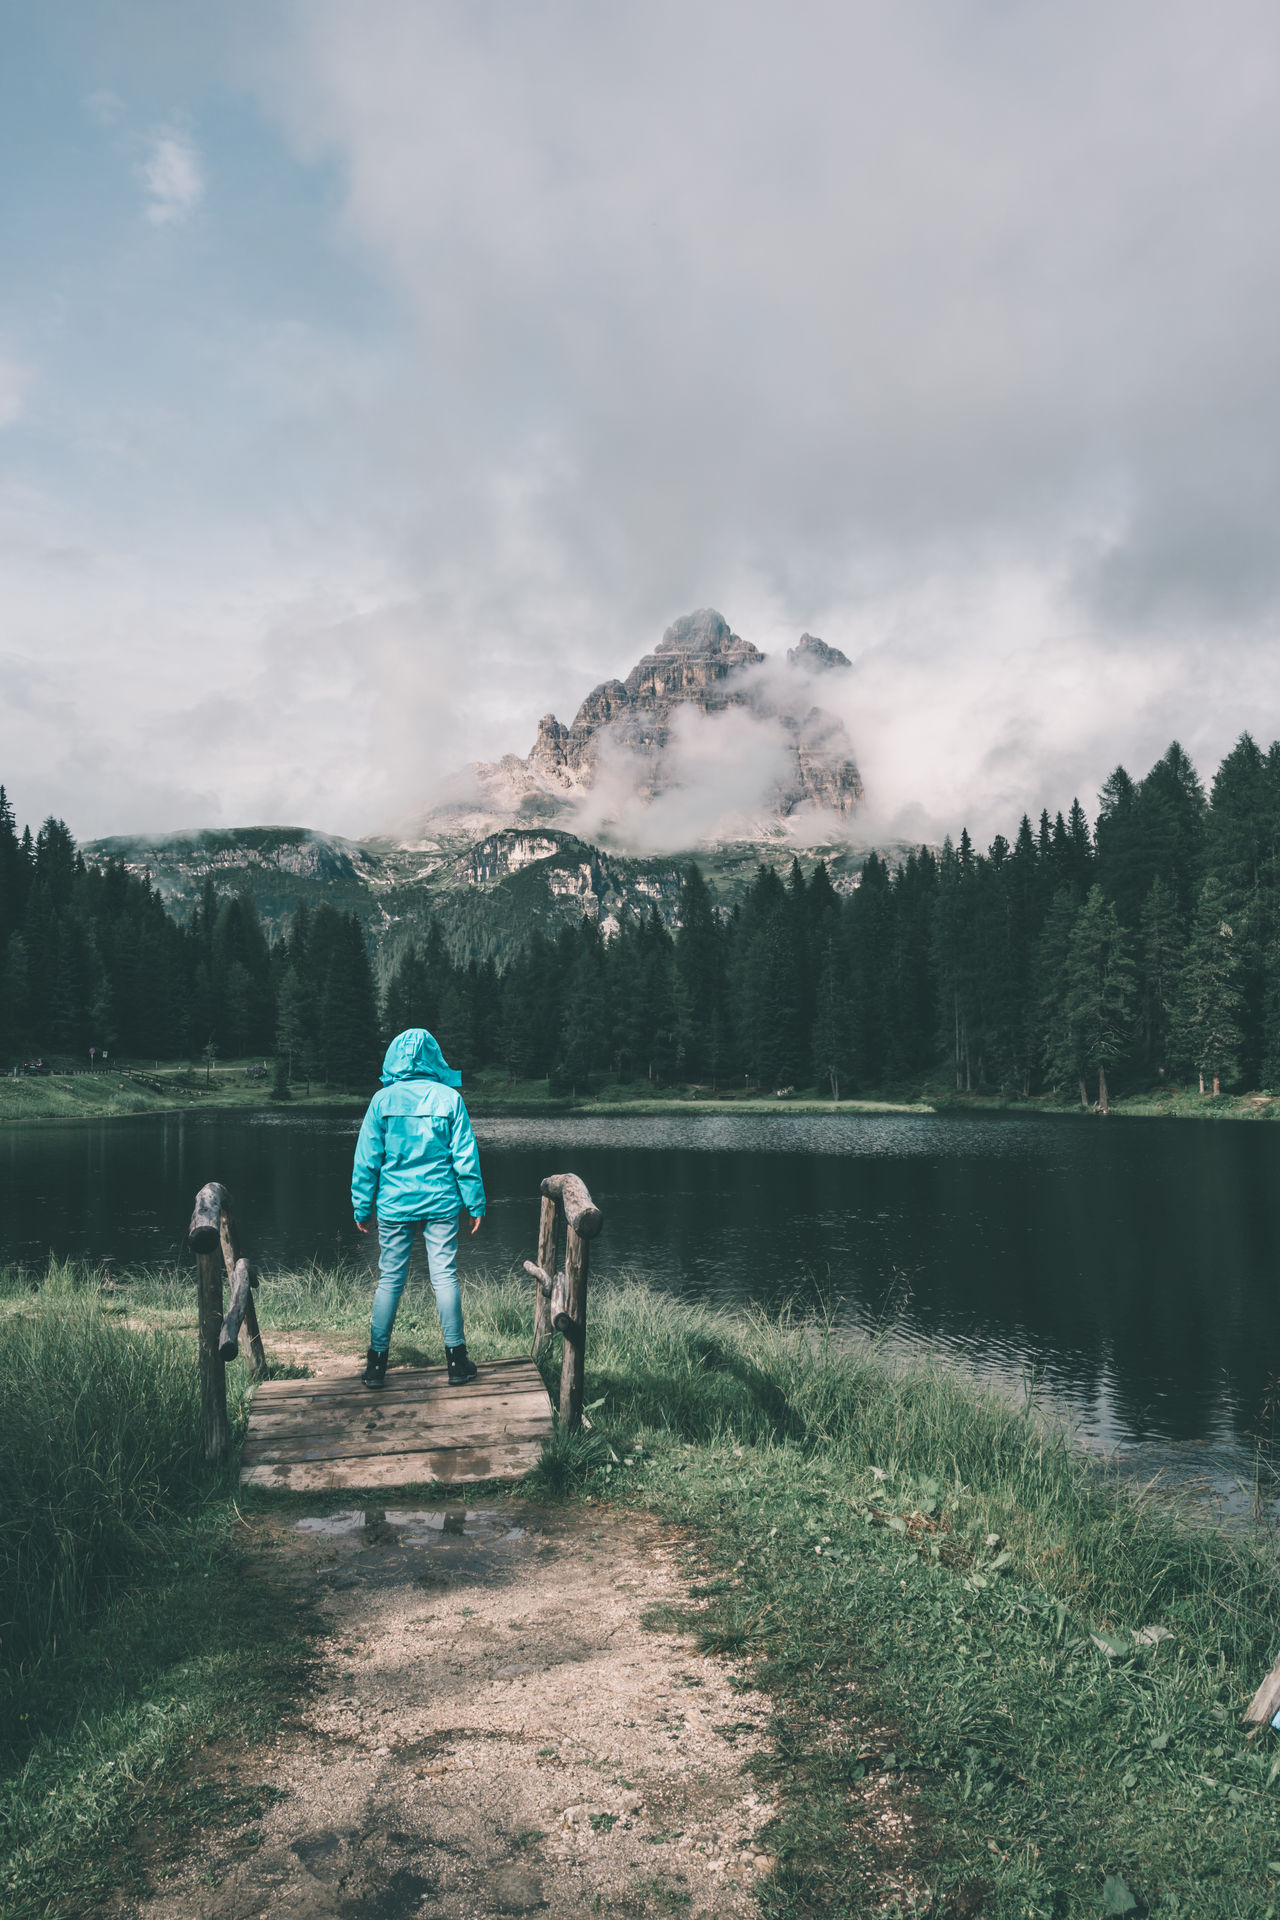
(335, 1432)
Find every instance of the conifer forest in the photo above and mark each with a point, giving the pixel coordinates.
(1076, 958)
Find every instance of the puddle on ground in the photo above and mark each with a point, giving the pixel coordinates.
(410, 1526)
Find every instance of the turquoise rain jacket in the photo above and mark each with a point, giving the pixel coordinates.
(416, 1155)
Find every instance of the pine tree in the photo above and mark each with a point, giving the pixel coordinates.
(1207, 1018)
(699, 961)
(348, 1008)
(295, 1027)
(1062, 1041)
(1162, 948)
(1099, 989)
(1120, 866)
(832, 1055)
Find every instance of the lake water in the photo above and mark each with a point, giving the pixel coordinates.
(1129, 1265)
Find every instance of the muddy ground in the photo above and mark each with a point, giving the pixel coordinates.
(493, 1730)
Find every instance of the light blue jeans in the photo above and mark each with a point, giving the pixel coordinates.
(395, 1244)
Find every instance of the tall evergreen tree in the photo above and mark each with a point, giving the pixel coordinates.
(1098, 989)
(1207, 1018)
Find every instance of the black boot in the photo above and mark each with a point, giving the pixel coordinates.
(375, 1369)
(460, 1368)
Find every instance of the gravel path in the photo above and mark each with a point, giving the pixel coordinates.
(493, 1731)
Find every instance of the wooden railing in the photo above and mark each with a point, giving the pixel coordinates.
(212, 1233)
(570, 1220)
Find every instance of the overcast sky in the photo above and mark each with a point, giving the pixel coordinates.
(376, 375)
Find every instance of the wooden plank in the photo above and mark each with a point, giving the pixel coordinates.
(407, 1388)
(328, 1383)
(406, 1418)
(324, 1416)
(445, 1465)
(302, 1413)
(365, 1446)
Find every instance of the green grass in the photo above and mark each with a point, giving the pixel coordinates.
(101, 1441)
(125, 1623)
(947, 1605)
(187, 1089)
(167, 1089)
(917, 1569)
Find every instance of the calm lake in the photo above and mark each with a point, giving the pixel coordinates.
(1129, 1265)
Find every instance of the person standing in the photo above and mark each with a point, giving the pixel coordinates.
(417, 1161)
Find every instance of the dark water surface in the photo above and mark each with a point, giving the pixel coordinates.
(1130, 1265)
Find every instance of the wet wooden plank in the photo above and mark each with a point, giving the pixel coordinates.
(343, 1406)
(406, 1437)
(336, 1433)
(324, 1416)
(445, 1465)
(343, 1447)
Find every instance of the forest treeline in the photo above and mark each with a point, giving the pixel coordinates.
(1075, 958)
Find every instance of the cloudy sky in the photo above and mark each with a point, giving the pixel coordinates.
(378, 374)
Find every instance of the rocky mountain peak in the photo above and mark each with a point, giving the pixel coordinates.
(699, 663)
(816, 655)
(705, 631)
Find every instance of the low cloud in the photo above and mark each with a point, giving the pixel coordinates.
(173, 177)
(719, 775)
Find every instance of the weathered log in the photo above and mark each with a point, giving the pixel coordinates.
(544, 1280)
(1265, 1704)
(547, 1262)
(204, 1234)
(577, 1255)
(212, 1233)
(232, 1262)
(205, 1230)
(256, 1351)
(561, 1318)
(241, 1283)
(580, 1210)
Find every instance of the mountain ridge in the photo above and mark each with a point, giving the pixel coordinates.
(631, 730)
(510, 854)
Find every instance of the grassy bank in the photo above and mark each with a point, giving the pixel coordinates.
(1160, 1103)
(957, 1617)
(124, 1618)
(170, 1089)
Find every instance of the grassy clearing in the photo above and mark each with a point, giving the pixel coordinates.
(954, 1612)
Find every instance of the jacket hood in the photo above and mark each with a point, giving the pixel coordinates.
(415, 1055)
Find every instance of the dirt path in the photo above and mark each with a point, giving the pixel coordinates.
(493, 1731)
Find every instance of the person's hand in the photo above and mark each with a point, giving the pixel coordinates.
(475, 1222)
(363, 1225)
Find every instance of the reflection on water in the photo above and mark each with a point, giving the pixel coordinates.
(410, 1526)
(1126, 1267)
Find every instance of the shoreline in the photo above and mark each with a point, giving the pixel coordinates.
(82, 1097)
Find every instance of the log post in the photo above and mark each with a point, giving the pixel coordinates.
(205, 1235)
(573, 1324)
(232, 1262)
(239, 1310)
(547, 1261)
(567, 1308)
